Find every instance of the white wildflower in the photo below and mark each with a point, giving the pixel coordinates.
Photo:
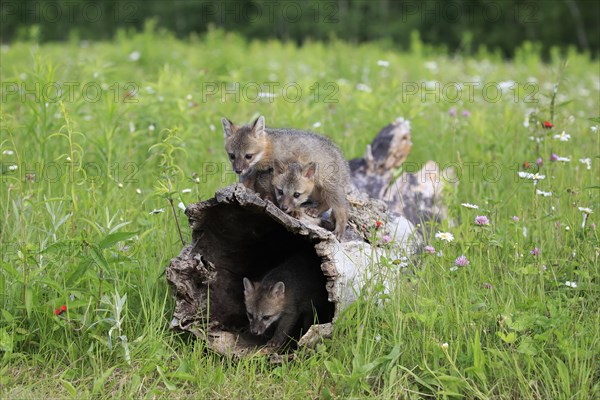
(138, 191)
(453, 268)
(383, 63)
(316, 124)
(594, 128)
(266, 95)
(13, 167)
(186, 190)
(469, 205)
(181, 206)
(447, 236)
(8, 152)
(586, 210)
(529, 175)
(157, 211)
(571, 284)
(563, 137)
(431, 65)
(542, 193)
(363, 88)
(135, 56)
(587, 162)
(563, 159)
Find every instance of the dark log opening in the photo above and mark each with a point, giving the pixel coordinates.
(245, 242)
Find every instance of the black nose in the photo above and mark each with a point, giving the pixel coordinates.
(238, 171)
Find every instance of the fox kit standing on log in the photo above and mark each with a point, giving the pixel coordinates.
(287, 296)
(255, 151)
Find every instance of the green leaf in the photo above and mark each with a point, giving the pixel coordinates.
(595, 119)
(99, 382)
(168, 384)
(115, 238)
(98, 257)
(511, 338)
(70, 388)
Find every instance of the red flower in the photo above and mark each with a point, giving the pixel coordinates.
(548, 124)
(63, 308)
(57, 312)
(378, 224)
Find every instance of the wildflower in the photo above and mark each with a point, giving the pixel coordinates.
(8, 152)
(542, 193)
(587, 162)
(386, 239)
(515, 218)
(452, 112)
(593, 225)
(529, 175)
(469, 205)
(378, 224)
(157, 211)
(567, 228)
(151, 127)
(181, 206)
(447, 236)
(383, 63)
(120, 185)
(444, 345)
(535, 252)
(539, 161)
(563, 137)
(571, 284)
(553, 157)
(186, 190)
(594, 128)
(461, 261)
(138, 191)
(135, 56)
(548, 125)
(487, 285)
(482, 220)
(63, 308)
(57, 312)
(188, 97)
(544, 268)
(586, 210)
(13, 167)
(364, 88)
(466, 113)
(317, 124)
(266, 95)
(452, 269)
(429, 249)
(562, 159)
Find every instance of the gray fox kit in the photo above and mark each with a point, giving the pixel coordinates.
(297, 185)
(286, 297)
(254, 149)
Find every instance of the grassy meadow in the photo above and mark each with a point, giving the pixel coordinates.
(101, 141)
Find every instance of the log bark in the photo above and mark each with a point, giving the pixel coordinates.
(237, 234)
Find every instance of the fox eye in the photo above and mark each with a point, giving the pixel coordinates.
(231, 156)
(249, 156)
(296, 195)
(266, 317)
(280, 192)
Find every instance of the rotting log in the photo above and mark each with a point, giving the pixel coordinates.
(237, 234)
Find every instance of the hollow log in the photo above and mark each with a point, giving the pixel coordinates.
(237, 234)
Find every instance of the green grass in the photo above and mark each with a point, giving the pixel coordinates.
(81, 233)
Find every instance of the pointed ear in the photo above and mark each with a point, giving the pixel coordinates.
(309, 170)
(258, 128)
(278, 290)
(248, 287)
(229, 127)
(278, 167)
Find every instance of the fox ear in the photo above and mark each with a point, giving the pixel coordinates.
(248, 287)
(309, 170)
(258, 128)
(229, 127)
(278, 290)
(278, 167)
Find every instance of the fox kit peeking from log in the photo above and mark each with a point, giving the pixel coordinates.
(320, 184)
(254, 152)
(286, 298)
